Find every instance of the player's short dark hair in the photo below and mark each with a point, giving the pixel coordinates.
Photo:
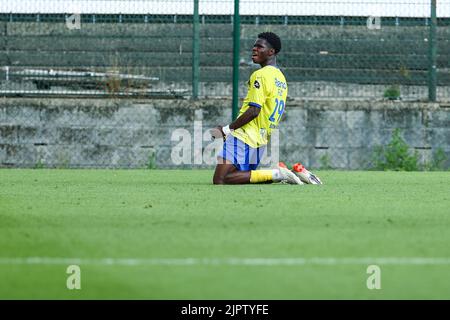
(272, 39)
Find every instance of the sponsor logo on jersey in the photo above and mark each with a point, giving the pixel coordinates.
(280, 84)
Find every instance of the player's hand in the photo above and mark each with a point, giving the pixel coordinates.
(217, 133)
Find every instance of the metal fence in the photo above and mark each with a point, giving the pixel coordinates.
(331, 49)
(126, 53)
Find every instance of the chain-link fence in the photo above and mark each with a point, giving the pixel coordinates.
(174, 133)
(331, 49)
(126, 53)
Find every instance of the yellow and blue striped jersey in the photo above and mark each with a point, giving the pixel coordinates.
(267, 89)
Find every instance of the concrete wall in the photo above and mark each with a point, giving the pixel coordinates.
(133, 134)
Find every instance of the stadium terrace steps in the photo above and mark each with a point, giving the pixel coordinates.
(388, 33)
(117, 29)
(224, 74)
(310, 53)
(214, 59)
(212, 45)
(219, 30)
(108, 44)
(212, 75)
(111, 59)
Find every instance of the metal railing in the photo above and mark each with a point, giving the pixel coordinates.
(359, 49)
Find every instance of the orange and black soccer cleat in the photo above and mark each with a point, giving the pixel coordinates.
(282, 165)
(305, 175)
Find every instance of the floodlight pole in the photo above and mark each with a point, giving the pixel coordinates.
(236, 49)
(195, 51)
(432, 77)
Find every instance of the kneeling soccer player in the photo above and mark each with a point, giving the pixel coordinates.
(245, 139)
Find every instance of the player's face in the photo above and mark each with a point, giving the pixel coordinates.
(261, 51)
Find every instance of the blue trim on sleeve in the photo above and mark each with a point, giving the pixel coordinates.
(253, 104)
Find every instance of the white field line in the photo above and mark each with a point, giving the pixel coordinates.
(223, 261)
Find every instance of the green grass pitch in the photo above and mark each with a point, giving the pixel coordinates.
(143, 215)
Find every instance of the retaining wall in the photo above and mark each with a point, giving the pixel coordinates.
(120, 133)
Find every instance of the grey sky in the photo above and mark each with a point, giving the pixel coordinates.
(381, 8)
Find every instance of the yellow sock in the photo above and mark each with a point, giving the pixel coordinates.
(258, 176)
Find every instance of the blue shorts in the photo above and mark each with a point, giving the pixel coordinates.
(244, 157)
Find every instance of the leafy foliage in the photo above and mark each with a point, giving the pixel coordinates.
(438, 161)
(325, 162)
(392, 93)
(396, 155)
